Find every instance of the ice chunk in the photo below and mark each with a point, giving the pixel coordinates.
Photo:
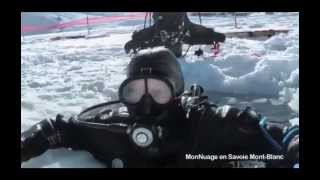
(276, 43)
(276, 102)
(237, 65)
(294, 121)
(232, 100)
(294, 78)
(260, 100)
(294, 102)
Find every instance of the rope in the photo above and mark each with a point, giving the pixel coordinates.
(145, 20)
(235, 20)
(186, 51)
(200, 24)
(88, 28)
(149, 19)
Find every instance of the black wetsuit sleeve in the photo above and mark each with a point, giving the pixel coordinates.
(198, 34)
(255, 134)
(141, 39)
(48, 134)
(246, 131)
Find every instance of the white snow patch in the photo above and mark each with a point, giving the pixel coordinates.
(276, 43)
(293, 80)
(260, 100)
(294, 102)
(294, 121)
(63, 158)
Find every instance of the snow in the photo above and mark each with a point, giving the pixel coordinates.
(64, 158)
(276, 43)
(294, 101)
(240, 70)
(294, 121)
(67, 76)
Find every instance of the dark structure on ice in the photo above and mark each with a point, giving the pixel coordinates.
(172, 30)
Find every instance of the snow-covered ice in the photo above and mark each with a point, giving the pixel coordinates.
(67, 76)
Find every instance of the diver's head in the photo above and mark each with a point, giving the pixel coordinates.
(169, 21)
(154, 80)
(174, 16)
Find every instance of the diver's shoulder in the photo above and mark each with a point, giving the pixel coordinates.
(225, 112)
(117, 114)
(103, 113)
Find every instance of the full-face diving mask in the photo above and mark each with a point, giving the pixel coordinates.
(147, 99)
(146, 96)
(147, 131)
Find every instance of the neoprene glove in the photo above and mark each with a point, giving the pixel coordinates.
(39, 138)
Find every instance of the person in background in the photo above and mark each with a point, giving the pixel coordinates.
(172, 30)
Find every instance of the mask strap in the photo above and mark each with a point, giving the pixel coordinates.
(146, 70)
(146, 85)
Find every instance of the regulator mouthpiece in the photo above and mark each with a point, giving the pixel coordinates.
(142, 137)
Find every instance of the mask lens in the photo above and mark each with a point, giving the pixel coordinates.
(159, 90)
(133, 91)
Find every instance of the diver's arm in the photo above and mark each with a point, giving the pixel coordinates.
(140, 39)
(47, 134)
(263, 136)
(197, 34)
(286, 137)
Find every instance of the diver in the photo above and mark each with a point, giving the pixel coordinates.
(157, 123)
(172, 30)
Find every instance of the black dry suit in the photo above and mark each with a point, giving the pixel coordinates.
(186, 132)
(172, 29)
